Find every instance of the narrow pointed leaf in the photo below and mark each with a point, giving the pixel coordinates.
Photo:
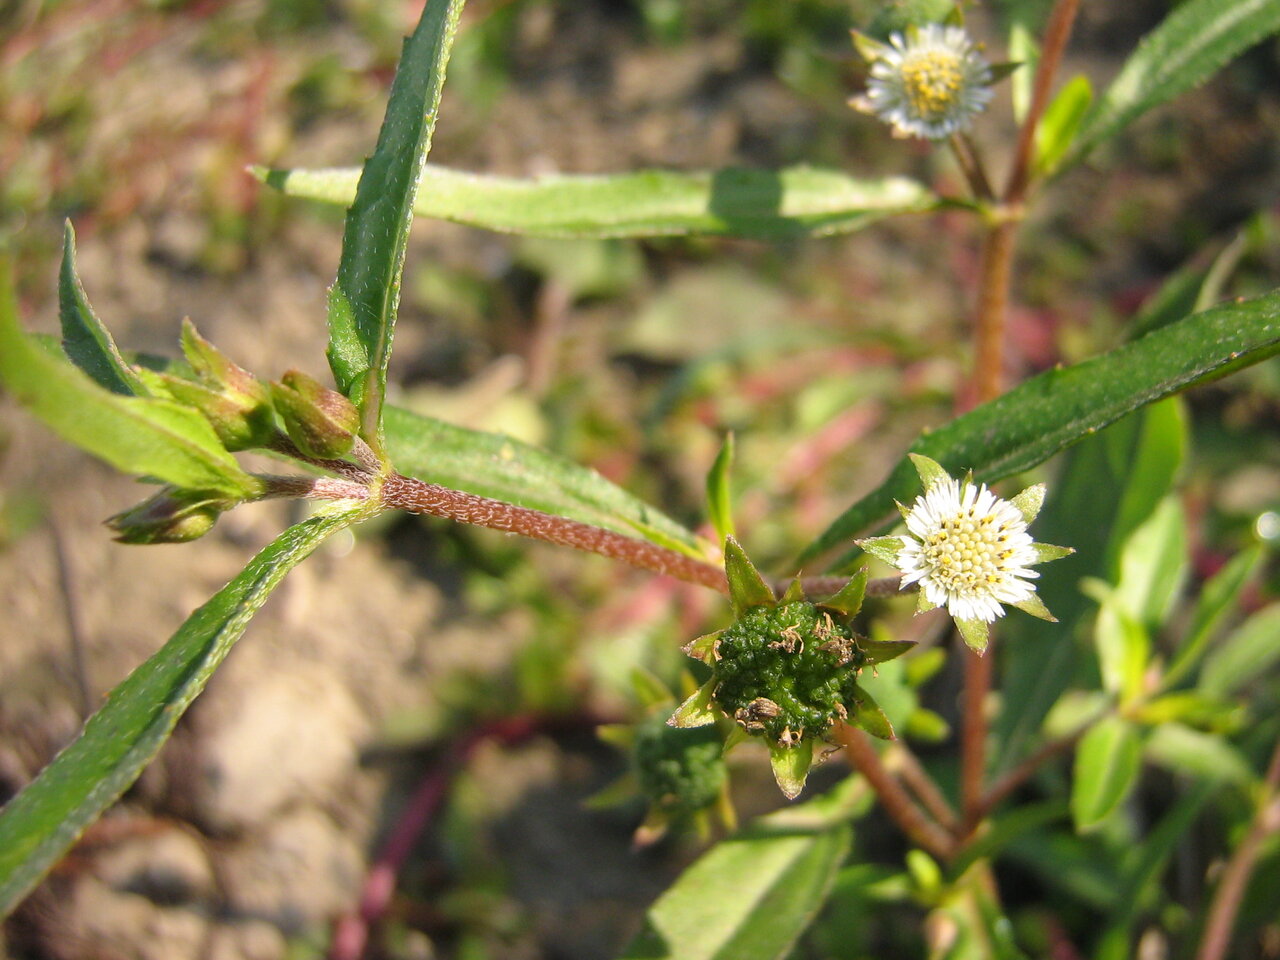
(976, 634)
(882, 651)
(1107, 763)
(703, 648)
(696, 711)
(1047, 551)
(719, 500)
(141, 435)
(1243, 657)
(499, 467)
(930, 471)
(1029, 501)
(747, 588)
(365, 298)
(617, 793)
(868, 715)
(85, 340)
(44, 820)
(1219, 596)
(750, 896)
(1055, 409)
(848, 599)
(791, 767)
(1061, 123)
(1189, 46)
(759, 204)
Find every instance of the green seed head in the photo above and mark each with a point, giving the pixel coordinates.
(679, 770)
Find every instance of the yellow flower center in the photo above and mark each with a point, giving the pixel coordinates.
(965, 553)
(932, 80)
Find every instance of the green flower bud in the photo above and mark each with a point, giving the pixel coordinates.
(234, 401)
(170, 516)
(678, 770)
(321, 422)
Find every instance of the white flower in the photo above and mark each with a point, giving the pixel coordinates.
(927, 83)
(968, 550)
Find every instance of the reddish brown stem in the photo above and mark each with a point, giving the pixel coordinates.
(973, 753)
(922, 831)
(416, 496)
(924, 787)
(1023, 772)
(1235, 878)
(311, 488)
(993, 298)
(818, 588)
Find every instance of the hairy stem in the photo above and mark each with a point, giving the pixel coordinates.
(416, 496)
(922, 831)
(816, 588)
(973, 736)
(1235, 878)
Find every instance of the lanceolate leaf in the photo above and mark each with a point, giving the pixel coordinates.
(41, 823)
(749, 897)
(141, 435)
(366, 296)
(1051, 411)
(491, 465)
(1107, 763)
(761, 204)
(1186, 49)
(85, 340)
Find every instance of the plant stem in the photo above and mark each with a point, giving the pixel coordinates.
(310, 488)
(1024, 770)
(923, 786)
(922, 831)
(416, 496)
(973, 736)
(817, 587)
(1235, 878)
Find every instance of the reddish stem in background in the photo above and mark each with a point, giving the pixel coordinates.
(351, 934)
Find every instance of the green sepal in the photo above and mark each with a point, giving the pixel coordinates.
(616, 794)
(747, 588)
(620, 735)
(1047, 551)
(1029, 501)
(1004, 70)
(868, 715)
(650, 691)
(217, 371)
(735, 736)
(975, 633)
(791, 766)
(794, 593)
(239, 426)
(703, 648)
(924, 604)
(930, 471)
(869, 48)
(882, 651)
(848, 599)
(883, 548)
(719, 500)
(1035, 606)
(321, 422)
(696, 711)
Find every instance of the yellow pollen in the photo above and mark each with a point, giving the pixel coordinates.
(932, 80)
(964, 552)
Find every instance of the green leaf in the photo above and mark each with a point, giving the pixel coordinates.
(719, 499)
(1153, 564)
(1123, 648)
(1244, 656)
(1219, 596)
(868, 715)
(747, 588)
(366, 296)
(1188, 47)
(44, 820)
(85, 340)
(1061, 123)
(1107, 762)
(791, 766)
(976, 634)
(142, 435)
(749, 897)
(848, 600)
(1057, 408)
(1181, 749)
(759, 204)
(495, 466)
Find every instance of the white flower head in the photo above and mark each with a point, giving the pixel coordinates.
(968, 550)
(929, 82)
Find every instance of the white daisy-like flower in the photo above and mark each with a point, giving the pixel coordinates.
(929, 82)
(968, 550)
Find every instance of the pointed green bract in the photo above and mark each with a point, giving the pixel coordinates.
(85, 340)
(704, 647)
(848, 599)
(871, 718)
(975, 634)
(747, 588)
(791, 766)
(930, 471)
(883, 548)
(1035, 606)
(794, 592)
(1047, 551)
(141, 435)
(42, 822)
(882, 651)
(719, 500)
(1029, 502)
(650, 691)
(365, 298)
(696, 711)
(923, 603)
